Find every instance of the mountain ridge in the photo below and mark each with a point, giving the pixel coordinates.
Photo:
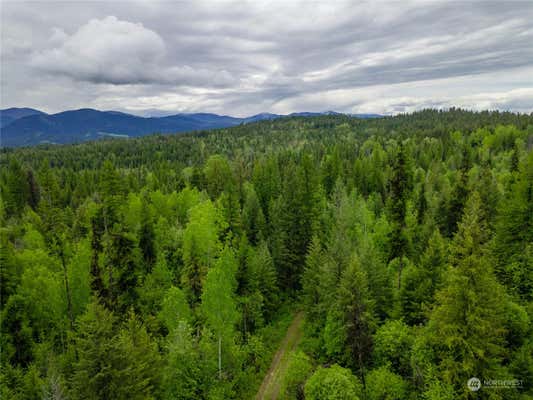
(28, 127)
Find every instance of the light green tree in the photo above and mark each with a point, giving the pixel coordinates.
(333, 383)
(201, 247)
(218, 303)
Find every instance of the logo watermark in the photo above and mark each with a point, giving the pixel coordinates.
(474, 384)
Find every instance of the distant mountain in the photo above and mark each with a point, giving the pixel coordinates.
(11, 114)
(261, 117)
(29, 127)
(366, 116)
(87, 124)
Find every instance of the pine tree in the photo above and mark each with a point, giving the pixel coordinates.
(400, 186)
(136, 362)
(302, 199)
(147, 237)
(16, 190)
(219, 176)
(466, 325)
(512, 246)
(92, 375)
(252, 216)
(121, 365)
(121, 257)
(422, 281)
(263, 279)
(267, 182)
(357, 322)
(311, 278)
(459, 196)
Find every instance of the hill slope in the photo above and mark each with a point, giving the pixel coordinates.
(9, 115)
(27, 127)
(87, 124)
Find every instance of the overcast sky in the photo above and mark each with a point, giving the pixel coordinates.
(242, 58)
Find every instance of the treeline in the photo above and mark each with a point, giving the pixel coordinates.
(165, 267)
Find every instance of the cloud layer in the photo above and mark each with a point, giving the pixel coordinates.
(240, 58)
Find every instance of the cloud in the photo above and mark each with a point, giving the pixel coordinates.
(245, 57)
(113, 51)
(519, 100)
(104, 51)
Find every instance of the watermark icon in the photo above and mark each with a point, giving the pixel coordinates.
(474, 384)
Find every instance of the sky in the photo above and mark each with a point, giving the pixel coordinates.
(243, 58)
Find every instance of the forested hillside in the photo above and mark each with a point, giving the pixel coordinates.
(169, 267)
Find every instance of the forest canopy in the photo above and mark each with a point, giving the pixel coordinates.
(170, 266)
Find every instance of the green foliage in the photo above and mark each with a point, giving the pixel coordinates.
(332, 383)
(218, 175)
(467, 322)
(92, 373)
(182, 378)
(200, 247)
(218, 302)
(392, 346)
(263, 279)
(421, 281)
(354, 311)
(174, 309)
(381, 384)
(512, 246)
(155, 287)
(299, 367)
(114, 365)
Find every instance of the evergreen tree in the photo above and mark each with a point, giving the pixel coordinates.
(252, 215)
(459, 195)
(512, 246)
(92, 372)
(466, 324)
(400, 186)
(16, 190)
(422, 281)
(121, 365)
(311, 280)
(263, 279)
(353, 312)
(146, 238)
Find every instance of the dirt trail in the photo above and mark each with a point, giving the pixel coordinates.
(270, 387)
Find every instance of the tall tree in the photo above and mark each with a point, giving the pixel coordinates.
(201, 246)
(512, 245)
(252, 216)
(218, 302)
(354, 317)
(466, 325)
(147, 237)
(423, 280)
(400, 186)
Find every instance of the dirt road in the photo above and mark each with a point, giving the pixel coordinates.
(270, 387)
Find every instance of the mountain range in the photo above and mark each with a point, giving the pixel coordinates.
(28, 127)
